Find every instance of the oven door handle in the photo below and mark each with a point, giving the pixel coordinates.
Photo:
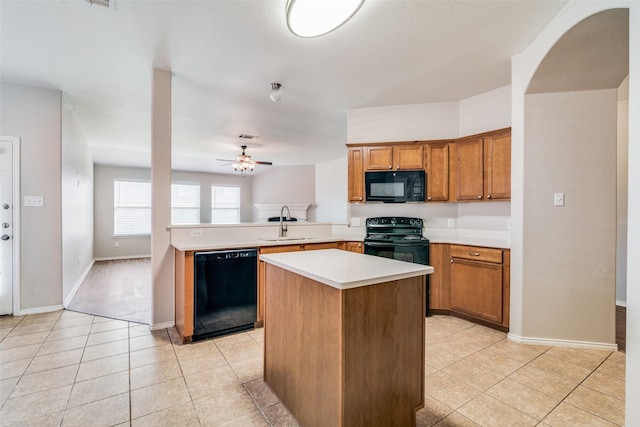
(395, 244)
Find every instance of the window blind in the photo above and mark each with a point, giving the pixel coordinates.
(225, 205)
(185, 204)
(131, 208)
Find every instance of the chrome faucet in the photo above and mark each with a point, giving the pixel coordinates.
(283, 225)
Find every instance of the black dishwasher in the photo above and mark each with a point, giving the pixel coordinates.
(225, 292)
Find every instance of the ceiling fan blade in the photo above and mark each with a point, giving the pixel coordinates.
(226, 160)
(263, 163)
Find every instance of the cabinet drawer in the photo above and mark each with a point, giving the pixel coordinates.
(477, 253)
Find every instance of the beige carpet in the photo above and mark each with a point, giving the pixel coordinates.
(119, 289)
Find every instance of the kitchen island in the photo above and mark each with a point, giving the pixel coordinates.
(344, 337)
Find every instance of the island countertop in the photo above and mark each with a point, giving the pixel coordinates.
(343, 269)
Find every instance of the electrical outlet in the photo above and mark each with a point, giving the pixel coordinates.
(196, 233)
(355, 221)
(558, 199)
(336, 229)
(509, 224)
(116, 244)
(35, 201)
(450, 222)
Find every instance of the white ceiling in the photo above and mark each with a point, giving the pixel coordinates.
(225, 54)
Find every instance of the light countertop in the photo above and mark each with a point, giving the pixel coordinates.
(343, 269)
(252, 243)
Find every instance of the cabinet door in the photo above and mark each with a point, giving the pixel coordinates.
(262, 269)
(476, 289)
(437, 168)
(408, 157)
(379, 157)
(355, 247)
(439, 298)
(497, 154)
(356, 174)
(469, 182)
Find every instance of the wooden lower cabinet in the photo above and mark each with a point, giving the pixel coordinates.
(439, 297)
(471, 282)
(479, 283)
(354, 247)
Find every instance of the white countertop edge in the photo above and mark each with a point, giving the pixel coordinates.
(404, 270)
(257, 243)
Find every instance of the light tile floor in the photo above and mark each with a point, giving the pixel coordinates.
(67, 368)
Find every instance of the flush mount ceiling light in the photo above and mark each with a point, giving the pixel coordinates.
(312, 18)
(276, 92)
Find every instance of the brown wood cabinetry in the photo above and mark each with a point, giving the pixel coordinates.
(436, 164)
(439, 258)
(354, 247)
(356, 174)
(477, 283)
(396, 157)
(484, 167)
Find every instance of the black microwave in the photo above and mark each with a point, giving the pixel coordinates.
(395, 186)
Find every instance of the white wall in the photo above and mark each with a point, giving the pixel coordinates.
(331, 191)
(485, 112)
(523, 68)
(623, 189)
(129, 247)
(34, 115)
(286, 185)
(206, 180)
(570, 250)
(77, 202)
(103, 239)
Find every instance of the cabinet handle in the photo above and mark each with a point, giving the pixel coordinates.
(474, 253)
(451, 260)
(397, 167)
(479, 197)
(488, 196)
(429, 198)
(390, 167)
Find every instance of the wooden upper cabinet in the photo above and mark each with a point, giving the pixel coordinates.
(484, 167)
(470, 172)
(394, 157)
(408, 157)
(356, 174)
(436, 162)
(497, 154)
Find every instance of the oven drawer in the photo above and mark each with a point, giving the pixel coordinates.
(477, 253)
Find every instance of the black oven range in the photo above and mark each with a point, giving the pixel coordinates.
(398, 238)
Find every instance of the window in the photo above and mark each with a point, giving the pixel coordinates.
(131, 208)
(225, 205)
(185, 204)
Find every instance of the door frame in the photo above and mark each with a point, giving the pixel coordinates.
(15, 141)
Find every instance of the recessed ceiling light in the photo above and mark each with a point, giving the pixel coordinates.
(312, 18)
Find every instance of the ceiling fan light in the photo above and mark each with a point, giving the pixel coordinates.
(313, 18)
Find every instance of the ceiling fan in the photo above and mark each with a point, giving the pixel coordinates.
(244, 162)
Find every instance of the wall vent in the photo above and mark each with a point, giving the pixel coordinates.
(105, 3)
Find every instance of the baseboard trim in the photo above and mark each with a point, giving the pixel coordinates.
(39, 310)
(117, 258)
(621, 303)
(69, 297)
(562, 343)
(160, 326)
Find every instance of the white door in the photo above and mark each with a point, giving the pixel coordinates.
(6, 226)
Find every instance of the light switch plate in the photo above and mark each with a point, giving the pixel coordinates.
(196, 233)
(558, 199)
(450, 222)
(36, 201)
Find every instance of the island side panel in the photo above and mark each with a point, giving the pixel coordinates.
(184, 293)
(302, 346)
(384, 353)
